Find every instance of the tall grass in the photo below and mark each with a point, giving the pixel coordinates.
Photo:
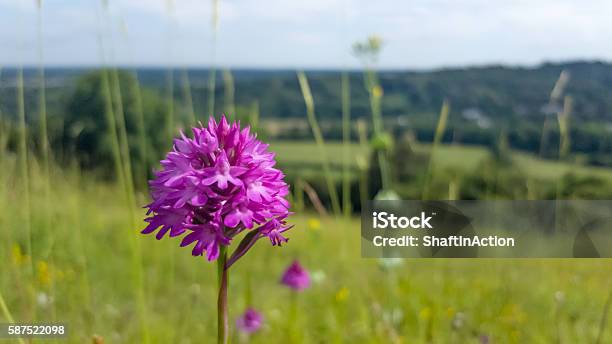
(169, 115)
(187, 97)
(81, 238)
(556, 95)
(212, 72)
(228, 82)
(564, 127)
(211, 91)
(362, 162)
(3, 151)
(114, 113)
(318, 136)
(169, 120)
(563, 120)
(44, 152)
(117, 100)
(121, 172)
(438, 135)
(297, 201)
(137, 263)
(42, 108)
(346, 143)
(604, 319)
(382, 142)
(7, 315)
(254, 114)
(375, 91)
(136, 94)
(3, 142)
(23, 169)
(112, 130)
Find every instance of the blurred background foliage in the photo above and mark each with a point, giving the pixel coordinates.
(484, 100)
(489, 105)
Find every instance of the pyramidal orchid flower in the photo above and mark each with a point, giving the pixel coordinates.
(216, 186)
(250, 321)
(296, 277)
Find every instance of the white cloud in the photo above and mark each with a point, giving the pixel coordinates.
(418, 33)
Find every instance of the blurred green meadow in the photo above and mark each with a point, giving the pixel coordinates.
(83, 267)
(77, 146)
(89, 268)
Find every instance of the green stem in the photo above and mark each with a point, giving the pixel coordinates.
(372, 85)
(384, 170)
(293, 312)
(230, 90)
(222, 310)
(211, 91)
(346, 141)
(438, 135)
(170, 112)
(141, 128)
(212, 83)
(604, 319)
(318, 136)
(188, 98)
(23, 168)
(7, 315)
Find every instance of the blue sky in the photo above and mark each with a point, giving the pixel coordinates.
(305, 34)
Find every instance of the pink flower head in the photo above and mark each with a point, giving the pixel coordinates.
(216, 185)
(250, 321)
(296, 277)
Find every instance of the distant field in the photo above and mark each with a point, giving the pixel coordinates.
(308, 152)
(461, 157)
(304, 157)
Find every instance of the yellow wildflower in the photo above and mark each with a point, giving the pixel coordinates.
(342, 294)
(18, 257)
(377, 91)
(425, 313)
(44, 273)
(314, 224)
(450, 312)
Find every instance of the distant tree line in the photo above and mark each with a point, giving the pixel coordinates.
(484, 102)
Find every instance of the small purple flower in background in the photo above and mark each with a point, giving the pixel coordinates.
(216, 185)
(296, 277)
(250, 321)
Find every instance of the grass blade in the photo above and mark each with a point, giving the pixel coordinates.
(8, 316)
(346, 143)
(23, 167)
(438, 135)
(170, 111)
(187, 97)
(140, 127)
(212, 82)
(564, 133)
(316, 131)
(228, 82)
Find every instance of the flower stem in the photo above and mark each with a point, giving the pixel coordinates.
(604, 319)
(293, 311)
(222, 310)
(7, 315)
